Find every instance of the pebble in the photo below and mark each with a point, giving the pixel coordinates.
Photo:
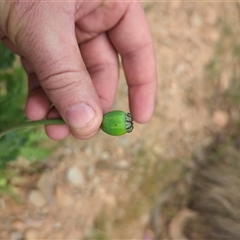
(45, 185)
(123, 164)
(37, 198)
(91, 172)
(220, 118)
(16, 235)
(34, 223)
(75, 176)
(88, 150)
(196, 20)
(63, 197)
(2, 203)
(18, 224)
(31, 234)
(105, 156)
(57, 225)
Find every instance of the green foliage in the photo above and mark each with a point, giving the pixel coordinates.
(7, 58)
(13, 91)
(5, 185)
(31, 149)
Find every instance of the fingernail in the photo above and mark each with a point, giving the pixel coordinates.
(79, 115)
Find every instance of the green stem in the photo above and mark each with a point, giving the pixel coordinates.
(58, 121)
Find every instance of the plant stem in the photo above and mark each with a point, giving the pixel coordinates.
(58, 121)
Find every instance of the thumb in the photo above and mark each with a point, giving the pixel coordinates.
(53, 52)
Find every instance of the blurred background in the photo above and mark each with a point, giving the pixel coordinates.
(176, 177)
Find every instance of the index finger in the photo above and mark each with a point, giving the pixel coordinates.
(131, 38)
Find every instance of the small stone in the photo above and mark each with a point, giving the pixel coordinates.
(91, 172)
(220, 118)
(180, 68)
(45, 209)
(88, 150)
(34, 223)
(144, 219)
(16, 235)
(63, 197)
(2, 203)
(31, 234)
(75, 176)
(196, 20)
(57, 225)
(37, 198)
(105, 155)
(45, 185)
(123, 164)
(18, 224)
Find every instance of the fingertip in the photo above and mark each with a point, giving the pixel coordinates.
(141, 116)
(142, 101)
(56, 132)
(84, 135)
(37, 104)
(84, 120)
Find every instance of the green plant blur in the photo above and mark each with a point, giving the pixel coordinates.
(13, 91)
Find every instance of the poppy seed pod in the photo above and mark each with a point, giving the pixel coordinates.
(117, 123)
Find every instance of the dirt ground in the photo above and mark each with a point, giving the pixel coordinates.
(109, 187)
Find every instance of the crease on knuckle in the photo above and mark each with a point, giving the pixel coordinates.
(62, 83)
(100, 67)
(136, 51)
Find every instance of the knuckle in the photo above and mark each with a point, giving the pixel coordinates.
(63, 84)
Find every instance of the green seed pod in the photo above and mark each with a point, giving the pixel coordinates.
(117, 123)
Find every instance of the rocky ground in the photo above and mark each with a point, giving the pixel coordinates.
(109, 187)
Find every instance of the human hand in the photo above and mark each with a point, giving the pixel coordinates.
(70, 53)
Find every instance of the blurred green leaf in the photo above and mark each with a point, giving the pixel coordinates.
(13, 92)
(7, 57)
(3, 182)
(33, 153)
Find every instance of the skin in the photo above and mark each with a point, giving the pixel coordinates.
(70, 53)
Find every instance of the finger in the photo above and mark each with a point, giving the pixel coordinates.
(132, 39)
(56, 132)
(102, 64)
(55, 57)
(103, 16)
(37, 104)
